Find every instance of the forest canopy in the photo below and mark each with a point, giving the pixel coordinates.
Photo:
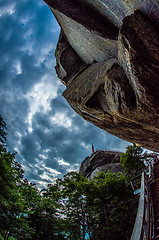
(72, 208)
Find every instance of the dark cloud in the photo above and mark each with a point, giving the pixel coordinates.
(50, 138)
(30, 148)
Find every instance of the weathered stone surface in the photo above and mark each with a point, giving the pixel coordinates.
(113, 83)
(117, 10)
(92, 36)
(67, 69)
(101, 161)
(139, 56)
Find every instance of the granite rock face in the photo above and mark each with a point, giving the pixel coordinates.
(101, 161)
(108, 58)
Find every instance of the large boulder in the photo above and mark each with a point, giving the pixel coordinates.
(101, 161)
(108, 58)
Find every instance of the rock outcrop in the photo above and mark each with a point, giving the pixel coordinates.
(108, 58)
(101, 161)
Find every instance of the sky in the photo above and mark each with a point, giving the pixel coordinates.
(49, 137)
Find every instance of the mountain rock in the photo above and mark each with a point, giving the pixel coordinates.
(108, 58)
(101, 161)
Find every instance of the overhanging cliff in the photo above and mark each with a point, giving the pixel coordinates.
(108, 58)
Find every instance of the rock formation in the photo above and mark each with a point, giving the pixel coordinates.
(101, 161)
(108, 58)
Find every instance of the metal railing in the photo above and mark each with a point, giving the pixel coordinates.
(137, 231)
(144, 223)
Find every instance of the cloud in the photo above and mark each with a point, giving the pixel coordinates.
(50, 138)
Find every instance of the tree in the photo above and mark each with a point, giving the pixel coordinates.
(43, 217)
(112, 206)
(13, 211)
(133, 160)
(3, 128)
(102, 208)
(25, 212)
(13, 208)
(73, 206)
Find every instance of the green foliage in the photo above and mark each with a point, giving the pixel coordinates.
(13, 209)
(3, 128)
(73, 208)
(133, 160)
(74, 205)
(102, 208)
(112, 206)
(25, 212)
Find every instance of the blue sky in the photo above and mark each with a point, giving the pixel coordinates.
(50, 138)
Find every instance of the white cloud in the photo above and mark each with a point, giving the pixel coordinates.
(45, 50)
(62, 162)
(40, 96)
(61, 119)
(41, 184)
(18, 68)
(45, 177)
(24, 19)
(42, 156)
(85, 146)
(49, 175)
(7, 10)
(74, 168)
(47, 150)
